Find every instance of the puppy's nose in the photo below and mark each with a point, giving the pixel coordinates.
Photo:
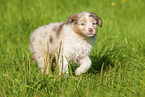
(90, 29)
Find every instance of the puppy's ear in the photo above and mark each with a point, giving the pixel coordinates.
(99, 21)
(72, 19)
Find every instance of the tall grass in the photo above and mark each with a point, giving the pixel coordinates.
(118, 56)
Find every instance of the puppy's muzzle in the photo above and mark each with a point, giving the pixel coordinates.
(90, 30)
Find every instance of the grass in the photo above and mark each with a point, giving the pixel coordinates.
(118, 56)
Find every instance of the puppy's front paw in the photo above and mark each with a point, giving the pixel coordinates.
(78, 72)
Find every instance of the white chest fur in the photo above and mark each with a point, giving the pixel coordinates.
(76, 47)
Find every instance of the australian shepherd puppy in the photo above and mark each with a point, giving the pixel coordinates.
(71, 41)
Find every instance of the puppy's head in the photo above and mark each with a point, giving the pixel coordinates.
(84, 24)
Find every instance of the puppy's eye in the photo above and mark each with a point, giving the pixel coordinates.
(94, 23)
(82, 24)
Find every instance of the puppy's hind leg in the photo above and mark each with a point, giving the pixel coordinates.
(63, 66)
(47, 65)
(43, 63)
(40, 62)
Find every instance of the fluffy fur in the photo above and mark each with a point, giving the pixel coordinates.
(76, 36)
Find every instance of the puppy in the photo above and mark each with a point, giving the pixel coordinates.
(71, 41)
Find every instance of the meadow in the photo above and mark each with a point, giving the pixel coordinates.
(118, 56)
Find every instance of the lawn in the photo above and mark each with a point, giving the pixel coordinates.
(118, 56)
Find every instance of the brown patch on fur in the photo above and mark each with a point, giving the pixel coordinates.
(78, 31)
(59, 30)
(72, 18)
(83, 20)
(76, 28)
(40, 42)
(92, 20)
(51, 39)
(54, 28)
(97, 18)
(33, 51)
(33, 39)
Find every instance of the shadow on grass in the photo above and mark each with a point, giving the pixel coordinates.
(108, 57)
(98, 61)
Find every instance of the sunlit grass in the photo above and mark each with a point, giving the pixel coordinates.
(118, 56)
